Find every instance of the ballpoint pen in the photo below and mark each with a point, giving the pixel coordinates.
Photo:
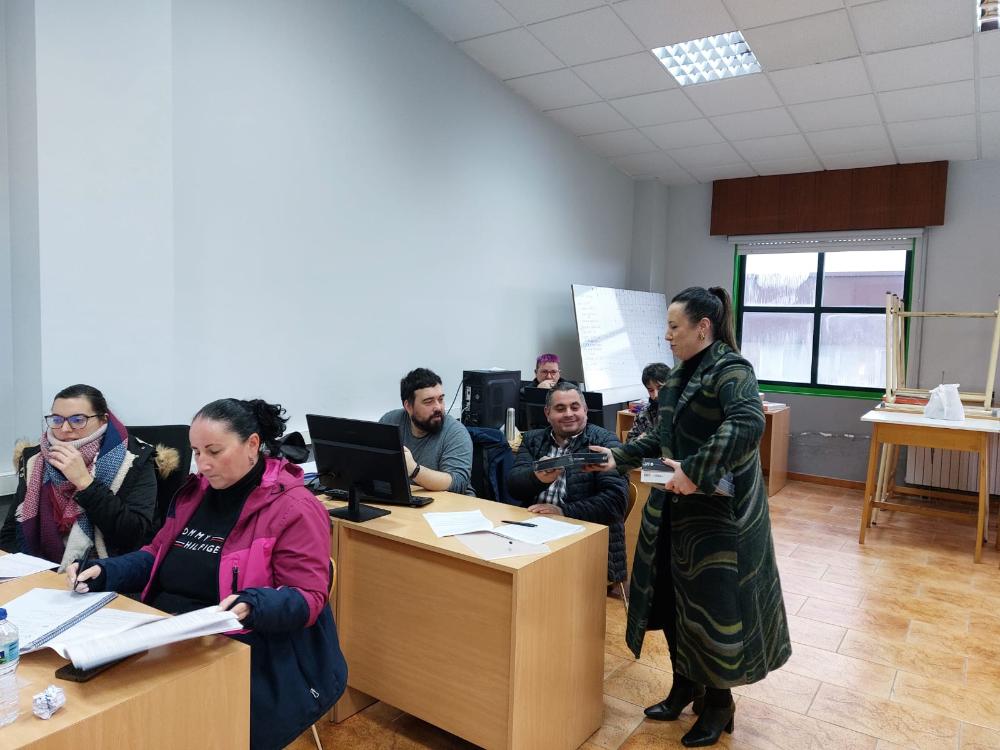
(521, 523)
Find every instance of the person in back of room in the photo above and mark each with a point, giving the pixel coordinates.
(245, 533)
(547, 373)
(436, 446)
(647, 421)
(87, 488)
(704, 569)
(571, 492)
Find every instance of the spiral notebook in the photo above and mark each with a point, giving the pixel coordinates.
(42, 614)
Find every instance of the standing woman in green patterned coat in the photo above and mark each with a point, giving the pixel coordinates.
(704, 569)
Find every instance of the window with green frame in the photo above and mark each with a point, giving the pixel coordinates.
(814, 322)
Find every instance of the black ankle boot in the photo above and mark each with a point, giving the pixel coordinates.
(677, 700)
(710, 725)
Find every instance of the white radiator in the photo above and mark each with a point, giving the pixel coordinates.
(953, 470)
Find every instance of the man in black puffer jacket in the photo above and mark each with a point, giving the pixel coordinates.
(600, 497)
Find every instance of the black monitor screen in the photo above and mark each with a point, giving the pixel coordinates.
(532, 412)
(366, 457)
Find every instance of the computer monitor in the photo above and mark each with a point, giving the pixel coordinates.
(364, 458)
(531, 415)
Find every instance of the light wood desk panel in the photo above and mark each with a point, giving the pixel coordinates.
(194, 694)
(506, 653)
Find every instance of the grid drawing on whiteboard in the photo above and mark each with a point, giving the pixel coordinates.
(621, 331)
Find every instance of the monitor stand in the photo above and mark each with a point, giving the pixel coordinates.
(355, 511)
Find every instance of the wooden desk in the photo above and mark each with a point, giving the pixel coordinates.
(773, 451)
(194, 694)
(893, 429)
(506, 654)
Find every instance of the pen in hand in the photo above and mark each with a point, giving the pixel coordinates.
(521, 523)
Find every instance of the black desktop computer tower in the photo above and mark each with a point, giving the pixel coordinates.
(486, 396)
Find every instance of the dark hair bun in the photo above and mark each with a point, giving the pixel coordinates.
(270, 418)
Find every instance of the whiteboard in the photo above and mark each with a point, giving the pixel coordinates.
(621, 331)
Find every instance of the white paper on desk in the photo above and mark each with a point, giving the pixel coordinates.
(490, 546)
(208, 621)
(459, 522)
(546, 530)
(103, 622)
(19, 565)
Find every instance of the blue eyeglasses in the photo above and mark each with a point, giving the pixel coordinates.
(76, 421)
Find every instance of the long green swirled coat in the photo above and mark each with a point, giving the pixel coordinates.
(730, 616)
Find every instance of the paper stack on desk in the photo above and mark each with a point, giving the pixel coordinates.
(19, 565)
(545, 530)
(491, 546)
(460, 522)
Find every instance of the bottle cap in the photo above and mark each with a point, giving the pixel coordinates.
(3, 613)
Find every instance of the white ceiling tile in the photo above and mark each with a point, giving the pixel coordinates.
(644, 165)
(837, 113)
(787, 166)
(933, 132)
(832, 80)
(712, 155)
(940, 152)
(989, 94)
(531, 11)
(776, 147)
(656, 108)
(620, 143)
(921, 66)
(942, 100)
(658, 23)
(677, 180)
(511, 54)
(626, 76)
(989, 53)
(847, 140)
(759, 124)
(893, 24)
(733, 95)
(585, 37)
(683, 134)
(589, 118)
(552, 90)
(859, 159)
(464, 20)
(750, 13)
(990, 126)
(803, 41)
(710, 173)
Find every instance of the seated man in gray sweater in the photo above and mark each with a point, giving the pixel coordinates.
(589, 496)
(437, 447)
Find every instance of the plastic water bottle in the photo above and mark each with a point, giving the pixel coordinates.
(9, 658)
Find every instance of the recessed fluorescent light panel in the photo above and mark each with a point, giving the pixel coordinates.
(709, 59)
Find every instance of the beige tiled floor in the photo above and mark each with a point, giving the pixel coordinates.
(896, 645)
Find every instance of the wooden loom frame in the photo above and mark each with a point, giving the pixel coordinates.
(978, 405)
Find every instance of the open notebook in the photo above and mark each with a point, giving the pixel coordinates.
(76, 628)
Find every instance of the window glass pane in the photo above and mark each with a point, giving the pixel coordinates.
(861, 278)
(781, 280)
(852, 350)
(779, 345)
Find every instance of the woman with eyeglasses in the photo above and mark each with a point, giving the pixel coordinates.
(88, 489)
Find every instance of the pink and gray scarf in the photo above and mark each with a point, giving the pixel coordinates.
(49, 510)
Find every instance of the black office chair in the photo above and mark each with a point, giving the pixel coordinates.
(170, 474)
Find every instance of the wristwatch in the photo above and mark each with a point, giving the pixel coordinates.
(413, 474)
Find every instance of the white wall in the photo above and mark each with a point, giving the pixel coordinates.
(963, 273)
(22, 189)
(299, 201)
